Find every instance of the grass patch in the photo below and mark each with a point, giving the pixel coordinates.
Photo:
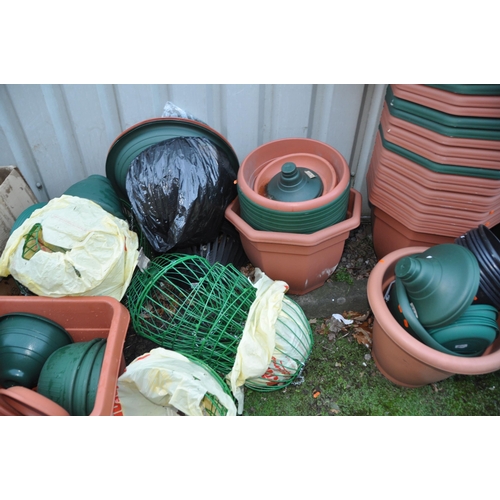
(342, 275)
(341, 378)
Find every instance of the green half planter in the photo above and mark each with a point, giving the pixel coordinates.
(133, 141)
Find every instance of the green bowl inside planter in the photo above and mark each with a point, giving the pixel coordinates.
(26, 342)
(66, 375)
(141, 136)
(465, 343)
(303, 222)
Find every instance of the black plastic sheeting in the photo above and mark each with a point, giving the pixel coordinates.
(179, 189)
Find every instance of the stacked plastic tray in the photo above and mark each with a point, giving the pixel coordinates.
(435, 168)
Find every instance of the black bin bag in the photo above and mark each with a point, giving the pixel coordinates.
(179, 189)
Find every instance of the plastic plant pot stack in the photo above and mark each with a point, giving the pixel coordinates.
(435, 169)
(248, 333)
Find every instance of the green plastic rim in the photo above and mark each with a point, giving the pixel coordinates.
(446, 130)
(184, 304)
(141, 136)
(438, 167)
(304, 222)
(294, 342)
(469, 89)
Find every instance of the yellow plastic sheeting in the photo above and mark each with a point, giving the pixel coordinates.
(258, 341)
(163, 382)
(98, 251)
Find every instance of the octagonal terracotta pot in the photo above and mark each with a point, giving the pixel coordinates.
(400, 357)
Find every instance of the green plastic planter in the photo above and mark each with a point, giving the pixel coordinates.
(98, 189)
(303, 222)
(26, 342)
(133, 141)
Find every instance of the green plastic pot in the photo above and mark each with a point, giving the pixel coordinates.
(304, 222)
(98, 189)
(26, 342)
(26, 214)
(133, 141)
(65, 377)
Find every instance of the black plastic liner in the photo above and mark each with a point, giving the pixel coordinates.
(179, 190)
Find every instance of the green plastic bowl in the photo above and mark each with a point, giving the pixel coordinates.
(400, 307)
(65, 376)
(26, 342)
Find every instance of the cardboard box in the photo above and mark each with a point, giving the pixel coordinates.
(15, 197)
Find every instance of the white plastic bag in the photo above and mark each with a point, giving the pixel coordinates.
(95, 252)
(164, 382)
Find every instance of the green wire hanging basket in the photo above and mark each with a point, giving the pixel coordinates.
(210, 403)
(294, 341)
(183, 303)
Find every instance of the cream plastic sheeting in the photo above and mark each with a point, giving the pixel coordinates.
(100, 257)
(163, 382)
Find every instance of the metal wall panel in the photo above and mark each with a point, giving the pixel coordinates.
(60, 134)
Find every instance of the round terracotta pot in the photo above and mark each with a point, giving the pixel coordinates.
(258, 160)
(400, 357)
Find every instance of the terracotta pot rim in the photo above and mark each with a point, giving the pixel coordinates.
(488, 362)
(246, 178)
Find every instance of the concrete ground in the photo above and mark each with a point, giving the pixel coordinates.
(334, 298)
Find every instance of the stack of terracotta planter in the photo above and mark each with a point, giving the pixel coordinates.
(297, 241)
(435, 167)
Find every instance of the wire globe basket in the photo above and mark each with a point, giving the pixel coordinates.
(294, 342)
(183, 303)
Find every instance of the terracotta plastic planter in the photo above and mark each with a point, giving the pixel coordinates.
(400, 357)
(471, 157)
(428, 178)
(389, 235)
(303, 261)
(85, 318)
(487, 148)
(449, 102)
(257, 161)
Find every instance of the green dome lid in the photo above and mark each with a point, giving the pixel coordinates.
(294, 184)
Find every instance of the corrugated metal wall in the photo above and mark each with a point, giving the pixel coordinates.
(60, 134)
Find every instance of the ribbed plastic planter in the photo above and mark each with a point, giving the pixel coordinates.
(266, 214)
(303, 261)
(449, 102)
(399, 356)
